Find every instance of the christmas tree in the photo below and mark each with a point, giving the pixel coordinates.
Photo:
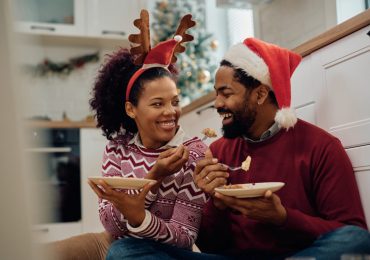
(198, 63)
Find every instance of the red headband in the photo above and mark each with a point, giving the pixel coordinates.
(158, 57)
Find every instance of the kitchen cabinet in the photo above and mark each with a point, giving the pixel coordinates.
(111, 18)
(342, 70)
(83, 18)
(45, 233)
(53, 17)
(360, 158)
(342, 75)
(52, 184)
(92, 150)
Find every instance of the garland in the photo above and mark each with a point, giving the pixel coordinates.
(48, 67)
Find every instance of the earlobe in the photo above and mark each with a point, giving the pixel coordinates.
(129, 109)
(262, 94)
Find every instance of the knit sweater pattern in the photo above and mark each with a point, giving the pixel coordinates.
(174, 211)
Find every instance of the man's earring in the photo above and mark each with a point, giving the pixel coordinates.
(259, 102)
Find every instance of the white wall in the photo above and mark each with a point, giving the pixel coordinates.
(15, 240)
(52, 95)
(289, 23)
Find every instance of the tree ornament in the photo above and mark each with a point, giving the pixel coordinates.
(204, 76)
(214, 44)
(163, 4)
(198, 55)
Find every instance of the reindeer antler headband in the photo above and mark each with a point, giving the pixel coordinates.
(163, 54)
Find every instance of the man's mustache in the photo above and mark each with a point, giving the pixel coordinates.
(223, 110)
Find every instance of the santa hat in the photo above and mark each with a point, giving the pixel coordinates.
(160, 56)
(272, 66)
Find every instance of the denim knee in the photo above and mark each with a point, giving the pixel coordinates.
(353, 238)
(135, 248)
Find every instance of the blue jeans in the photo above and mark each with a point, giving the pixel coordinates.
(344, 240)
(134, 248)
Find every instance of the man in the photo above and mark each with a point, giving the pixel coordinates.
(318, 212)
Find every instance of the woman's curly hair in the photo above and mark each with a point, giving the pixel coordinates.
(109, 92)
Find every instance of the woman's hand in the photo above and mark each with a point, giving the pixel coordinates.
(267, 209)
(131, 206)
(169, 162)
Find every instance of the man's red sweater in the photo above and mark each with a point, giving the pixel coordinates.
(320, 192)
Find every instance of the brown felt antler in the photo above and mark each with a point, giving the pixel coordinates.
(185, 24)
(143, 39)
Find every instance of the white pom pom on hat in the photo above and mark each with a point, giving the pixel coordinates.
(178, 38)
(273, 66)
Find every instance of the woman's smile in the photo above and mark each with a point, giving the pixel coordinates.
(167, 125)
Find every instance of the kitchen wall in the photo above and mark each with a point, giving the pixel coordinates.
(290, 23)
(54, 95)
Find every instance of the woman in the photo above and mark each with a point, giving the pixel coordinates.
(146, 142)
(137, 107)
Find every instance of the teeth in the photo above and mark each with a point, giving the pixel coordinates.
(227, 115)
(167, 123)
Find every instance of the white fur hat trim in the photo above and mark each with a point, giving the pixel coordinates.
(243, 58)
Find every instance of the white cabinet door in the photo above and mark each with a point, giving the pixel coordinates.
(344, 101)
(54, 17)
(92, 149)
(304, 91)
(360, 158)
(56, 231)
(112, 18)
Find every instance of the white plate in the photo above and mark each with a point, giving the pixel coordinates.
(249, 190)
(121, 182)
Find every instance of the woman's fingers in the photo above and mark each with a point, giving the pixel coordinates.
(146, 189)
(104, 191)
(96, 189)
(167, 153)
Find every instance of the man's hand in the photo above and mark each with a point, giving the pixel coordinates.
(131, 206)
(209, 174)
(267, 209)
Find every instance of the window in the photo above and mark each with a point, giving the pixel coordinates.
(240, 25)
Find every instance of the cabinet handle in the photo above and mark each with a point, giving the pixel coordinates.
(43, 230)
(50, 150)
(204, 108)
(105, 32)
(38, 27)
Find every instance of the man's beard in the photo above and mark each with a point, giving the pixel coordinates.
(241, 124)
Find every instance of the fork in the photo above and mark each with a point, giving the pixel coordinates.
(233, 168)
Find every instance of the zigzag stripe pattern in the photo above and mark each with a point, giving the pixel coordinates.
(177, 206)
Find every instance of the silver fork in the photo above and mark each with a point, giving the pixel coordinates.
(233, 168)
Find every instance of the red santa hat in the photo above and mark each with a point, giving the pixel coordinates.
(160, 56)
(272, 66)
